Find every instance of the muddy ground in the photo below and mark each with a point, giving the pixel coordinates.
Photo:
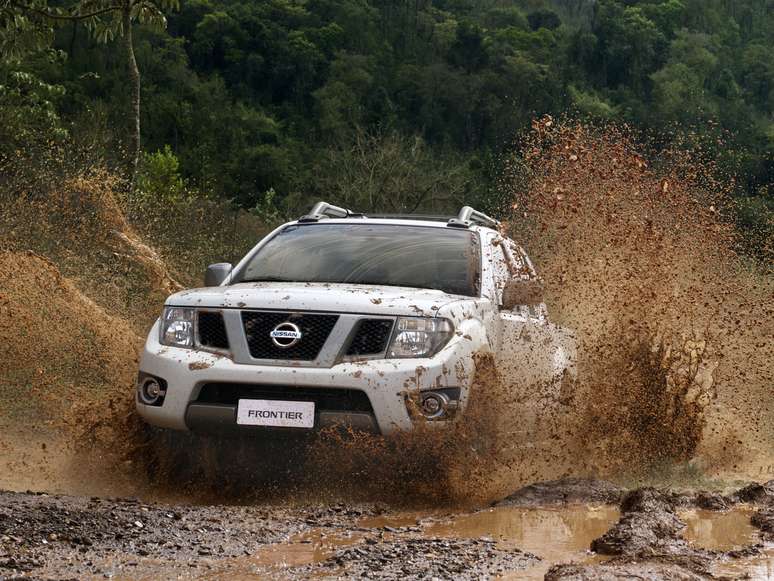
(561, 530)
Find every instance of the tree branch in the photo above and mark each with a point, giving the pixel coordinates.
(67, 17)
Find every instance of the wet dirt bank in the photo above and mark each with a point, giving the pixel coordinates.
(558, 531)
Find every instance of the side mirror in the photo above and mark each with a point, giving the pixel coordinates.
(518, 292)
(217, 273)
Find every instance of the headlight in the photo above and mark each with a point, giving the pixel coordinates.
(177, 327)
(419, 337)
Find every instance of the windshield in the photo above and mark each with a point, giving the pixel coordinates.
(444, 259)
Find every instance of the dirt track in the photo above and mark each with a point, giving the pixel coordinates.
(64, 537)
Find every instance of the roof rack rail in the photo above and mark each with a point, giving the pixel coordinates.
(468, 217)
(423, 217)
(322, 210)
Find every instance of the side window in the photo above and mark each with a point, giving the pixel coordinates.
(509, 261)
(520, 266)
(523, 268)
(500, 270)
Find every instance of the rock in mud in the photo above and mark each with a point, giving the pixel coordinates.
(764, 520)
(756, 493)
(565, 491)
(649, 521)
(422, 558)
(712, 501)
(648, 543)
(624, 571)
(647, 500)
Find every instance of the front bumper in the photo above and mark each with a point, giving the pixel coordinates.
(387, 383)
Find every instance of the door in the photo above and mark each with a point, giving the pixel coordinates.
(535, 358)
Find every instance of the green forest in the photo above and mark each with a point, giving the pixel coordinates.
(392, 104)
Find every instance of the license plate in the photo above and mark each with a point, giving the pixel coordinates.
(279, 414)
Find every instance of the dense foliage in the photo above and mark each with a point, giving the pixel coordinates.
(395, 103)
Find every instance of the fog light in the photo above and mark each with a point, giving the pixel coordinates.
(151, 391)
(434, 405)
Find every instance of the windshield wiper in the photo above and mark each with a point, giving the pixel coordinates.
(269, 279)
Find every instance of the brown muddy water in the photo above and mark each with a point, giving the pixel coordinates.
(554, 534)
(726, 531)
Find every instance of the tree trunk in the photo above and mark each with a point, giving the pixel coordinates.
(133, 152)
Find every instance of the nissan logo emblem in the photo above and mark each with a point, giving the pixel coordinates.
(285, 335)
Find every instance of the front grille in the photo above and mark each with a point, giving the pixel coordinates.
(371, 337)
(314, 332)
(325, 399)
(212, 330)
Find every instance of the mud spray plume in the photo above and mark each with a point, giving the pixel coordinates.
(675, 326)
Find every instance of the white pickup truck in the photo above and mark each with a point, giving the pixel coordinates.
(341, 318)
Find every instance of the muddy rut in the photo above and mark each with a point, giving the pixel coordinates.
(561, 530)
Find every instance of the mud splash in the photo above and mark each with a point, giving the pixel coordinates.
(67, 366)
(640, 259)
(675, 327)
(466, 464)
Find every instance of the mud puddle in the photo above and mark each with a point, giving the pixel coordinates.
(564, 534)
(729, 531)
(720, 531)
(757, 568)
(556, 535)
(551, 534)
(305, 549)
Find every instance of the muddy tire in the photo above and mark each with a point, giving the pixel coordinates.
(263, 459)
(188, 459)
(170, 456)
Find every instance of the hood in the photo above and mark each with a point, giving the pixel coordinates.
(340, 298)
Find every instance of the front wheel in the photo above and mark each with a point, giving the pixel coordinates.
(222, 462)
(169, 456)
